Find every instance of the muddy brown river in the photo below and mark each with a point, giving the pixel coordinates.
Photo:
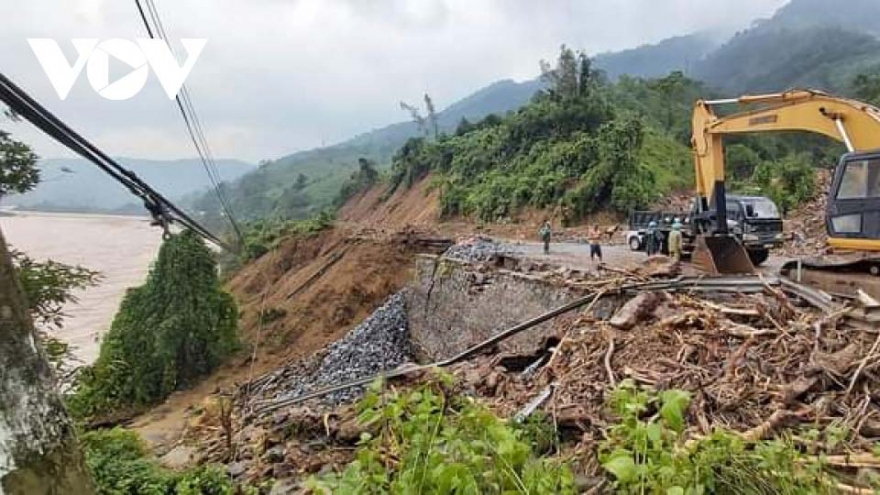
(121, 248)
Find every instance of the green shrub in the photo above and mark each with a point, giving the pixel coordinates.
(169, 332)
(430, 441)
(262, 236)
(120, 465)
(652, 456)
(789, 182)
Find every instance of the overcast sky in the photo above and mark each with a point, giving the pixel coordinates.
(278, 76)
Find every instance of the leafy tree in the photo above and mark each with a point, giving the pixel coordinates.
(866, 87)
(301, 181)
(788, 181)
(18, 166)
(48, 285)
(741, 161)
(362, 179)
(169, 332)
(572, 77)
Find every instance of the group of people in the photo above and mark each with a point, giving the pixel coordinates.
(654, 239)
(594, 237)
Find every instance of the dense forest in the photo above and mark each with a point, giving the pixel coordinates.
(586, 145)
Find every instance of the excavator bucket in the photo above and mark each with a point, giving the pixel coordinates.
(721, 255)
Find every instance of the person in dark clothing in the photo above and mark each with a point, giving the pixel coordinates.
(651, 245)
(545, 233)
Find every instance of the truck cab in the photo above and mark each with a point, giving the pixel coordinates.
(754, 220)
(758, 224)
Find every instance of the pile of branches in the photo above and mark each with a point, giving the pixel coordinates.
(755, 364)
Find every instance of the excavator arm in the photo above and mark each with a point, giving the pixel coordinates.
(854, 123)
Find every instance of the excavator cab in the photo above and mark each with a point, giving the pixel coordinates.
(853, 214)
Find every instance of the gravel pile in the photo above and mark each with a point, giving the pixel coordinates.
(478, 250)
(379, 343)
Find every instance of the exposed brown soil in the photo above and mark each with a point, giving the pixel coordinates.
(311, 292)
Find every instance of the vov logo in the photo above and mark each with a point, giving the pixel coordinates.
(94, 55)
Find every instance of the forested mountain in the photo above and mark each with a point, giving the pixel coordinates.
(777, 59)
(680, 53)
(807, 43)
(300, 184)
(73, 184)
(858, 15)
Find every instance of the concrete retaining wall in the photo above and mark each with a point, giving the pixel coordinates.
(453, 305)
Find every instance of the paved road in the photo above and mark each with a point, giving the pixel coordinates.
(577, 255)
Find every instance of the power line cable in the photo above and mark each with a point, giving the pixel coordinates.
(159, 206)
(193, 124)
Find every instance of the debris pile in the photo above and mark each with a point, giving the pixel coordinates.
(752, 362)
(755, 356)
(806, 234)
(379, 343)
(478, 249)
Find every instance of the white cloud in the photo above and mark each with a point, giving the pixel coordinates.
(282, 75)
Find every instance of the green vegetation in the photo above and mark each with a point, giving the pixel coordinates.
(169, 332)
(652, 456)
(262, 236)
(788, 182)
(582, 145)
(18, 173)
(360, 180)
(47, 285)
(866, 87)
(120, 465)
(433, 441)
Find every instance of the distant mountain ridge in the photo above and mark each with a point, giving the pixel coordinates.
(73, 184)
(816, 43)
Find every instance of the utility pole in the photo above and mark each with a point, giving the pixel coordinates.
(39, 454)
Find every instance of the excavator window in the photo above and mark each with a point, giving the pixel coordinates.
(860, 179)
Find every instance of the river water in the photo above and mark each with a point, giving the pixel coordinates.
(121, 248)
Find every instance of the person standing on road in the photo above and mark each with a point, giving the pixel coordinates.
(651, 239)
(675, 241)
(595, 238)
(545, 234)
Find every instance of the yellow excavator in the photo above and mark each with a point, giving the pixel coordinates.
(852, 218)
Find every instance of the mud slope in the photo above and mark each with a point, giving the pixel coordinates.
(310, 292)
(415, 206)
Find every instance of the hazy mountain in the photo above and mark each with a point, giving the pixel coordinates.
(859, 15)
(72, 184)
(777, 59)
(272, 189)
(815, 43)
(680, 53)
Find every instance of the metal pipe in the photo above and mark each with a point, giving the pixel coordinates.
(727, 101)
(842, 130)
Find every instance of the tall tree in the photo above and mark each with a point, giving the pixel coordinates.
(432, 116)
(39, 453)
(416, 117)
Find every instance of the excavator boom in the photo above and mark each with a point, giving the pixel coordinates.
(853, 216)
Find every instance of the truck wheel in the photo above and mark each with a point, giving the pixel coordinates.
(759, 256)
(634, 243)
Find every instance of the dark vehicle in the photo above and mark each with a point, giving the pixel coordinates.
(754, 220)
